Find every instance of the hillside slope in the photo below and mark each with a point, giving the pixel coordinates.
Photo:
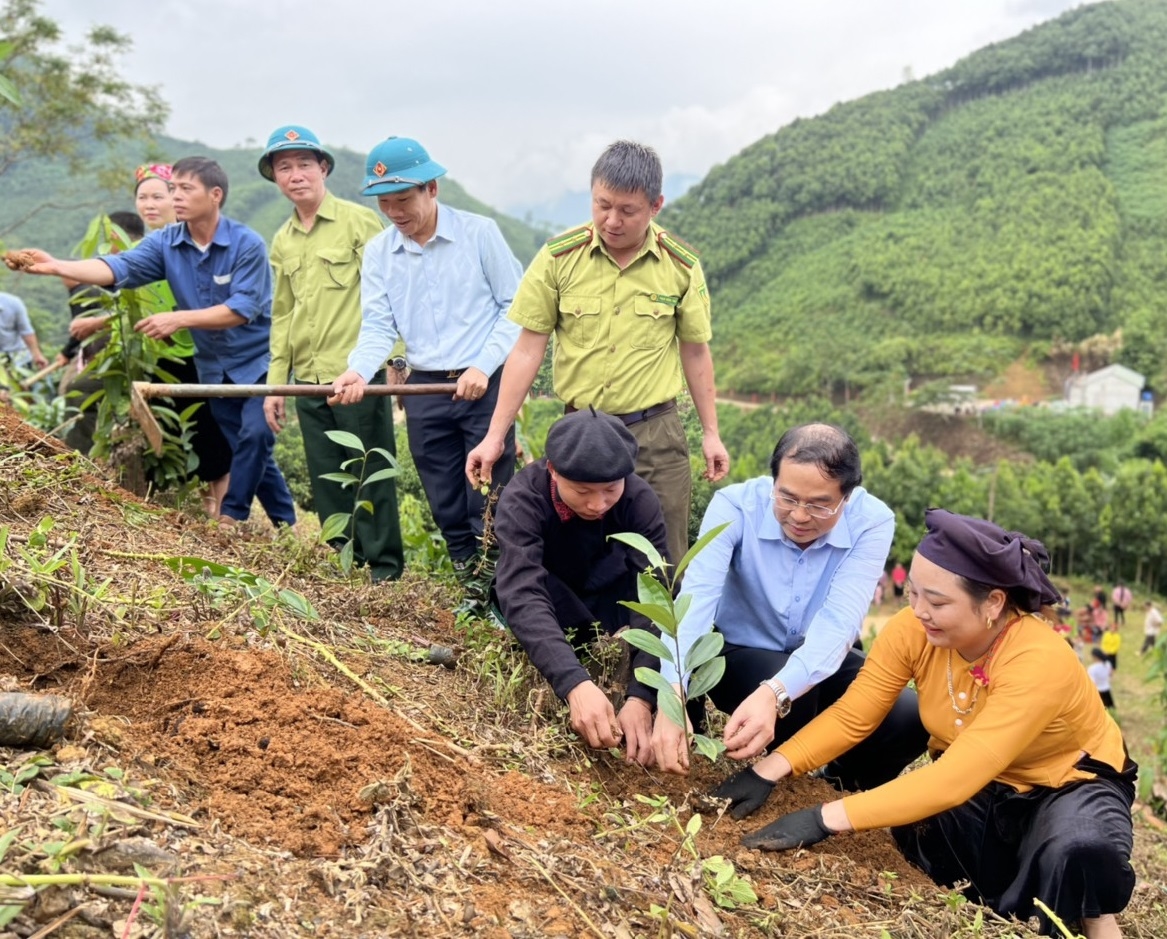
(295, 762)
(1017, 198)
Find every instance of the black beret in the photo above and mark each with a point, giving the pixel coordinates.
(591, 447)
(986, 553)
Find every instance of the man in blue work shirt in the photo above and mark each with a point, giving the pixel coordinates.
(219, 274)
(787, 584)
(443, 280)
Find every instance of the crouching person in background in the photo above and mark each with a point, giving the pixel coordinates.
(560, 579)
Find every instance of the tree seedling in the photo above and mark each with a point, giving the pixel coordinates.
(703, 664)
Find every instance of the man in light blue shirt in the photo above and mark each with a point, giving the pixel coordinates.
(18, 342)
(442, 280)
(787, 584)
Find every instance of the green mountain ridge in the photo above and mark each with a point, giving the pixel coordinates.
(42, 205)
(1014, 202)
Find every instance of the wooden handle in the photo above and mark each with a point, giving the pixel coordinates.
(161, 390)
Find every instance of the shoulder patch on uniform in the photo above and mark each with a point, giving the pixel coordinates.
(677, 248)
(569, 240)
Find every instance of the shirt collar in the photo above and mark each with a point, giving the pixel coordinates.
(447, 230)
(562, 509)
(326, 211)
(179, 233)
(651, 244)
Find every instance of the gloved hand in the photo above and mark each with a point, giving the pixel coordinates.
(796, 830)
(747, 792)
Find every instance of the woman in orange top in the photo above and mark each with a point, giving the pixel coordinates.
(1030, 787)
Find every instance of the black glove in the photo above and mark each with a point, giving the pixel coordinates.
(747, 792)
(796, 830)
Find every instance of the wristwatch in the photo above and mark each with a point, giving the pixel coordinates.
(398, 363)
(780, 695)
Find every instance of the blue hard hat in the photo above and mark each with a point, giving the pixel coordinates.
(397, 164)
(291, 137)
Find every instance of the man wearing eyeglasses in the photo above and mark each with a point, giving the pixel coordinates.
(787, 584)
(442, 280)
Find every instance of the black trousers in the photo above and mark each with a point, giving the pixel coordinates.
(442, 432)
(892, 746)
(1069, 847)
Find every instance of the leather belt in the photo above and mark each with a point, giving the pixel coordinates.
(452, 374)
(635, 417)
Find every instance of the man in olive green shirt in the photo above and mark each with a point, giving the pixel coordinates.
(630, 312)
(316, 317)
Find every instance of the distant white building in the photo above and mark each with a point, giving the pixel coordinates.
(1108, 390)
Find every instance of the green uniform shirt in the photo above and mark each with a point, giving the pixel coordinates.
(616, 331)
(316, 300)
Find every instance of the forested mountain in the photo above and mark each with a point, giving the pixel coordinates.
(1017, 200)
(42, 205)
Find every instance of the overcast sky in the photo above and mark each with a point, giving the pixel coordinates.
(517, 97)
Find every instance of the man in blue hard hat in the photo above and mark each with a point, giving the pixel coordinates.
(442, 280)
(315, 319)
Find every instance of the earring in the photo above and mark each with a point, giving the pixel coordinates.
(989, 622)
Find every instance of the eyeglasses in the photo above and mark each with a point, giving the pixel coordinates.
(810, 508)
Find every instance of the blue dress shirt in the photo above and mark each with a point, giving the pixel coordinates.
(233, 271)
(448, 300)
(765, 592)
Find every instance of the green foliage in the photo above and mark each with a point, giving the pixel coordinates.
(341, 524)
(241, 592)
(929, 231)
(703, 665)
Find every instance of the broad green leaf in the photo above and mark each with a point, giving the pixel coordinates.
(661, 615)
(387, 473)
(345, 479)
(298, 603)
(654, 679)
(703, 650)
(643, 545)
(9, 913)
(693, 826)
(651, 590)
(382, 452)
(364, 504)
(669, 705)
(345, 439)
(708, 747)
(346, 557)
(6, 840)
(644, 640)
(335, 526)
(681, 607)
(704, 679)
(698, 547)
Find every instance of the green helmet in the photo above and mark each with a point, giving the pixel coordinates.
(291, 137)
(397, 164)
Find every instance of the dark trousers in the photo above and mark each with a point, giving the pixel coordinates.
(892, 746)
(254, 474)
(1069, 847)
(377, 534)
(1119, 614)
(442, 432)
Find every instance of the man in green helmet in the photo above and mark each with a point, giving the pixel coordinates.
(316, 316)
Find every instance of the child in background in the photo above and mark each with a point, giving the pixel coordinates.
(1099, 672)
(1110, 644)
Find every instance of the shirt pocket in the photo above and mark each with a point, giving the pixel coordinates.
(342, 267)
(579, 319)
(654, 324)
(292, 268)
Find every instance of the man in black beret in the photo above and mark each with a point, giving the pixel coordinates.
(558, 573)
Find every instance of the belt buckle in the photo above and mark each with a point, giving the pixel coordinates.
(454, 374)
